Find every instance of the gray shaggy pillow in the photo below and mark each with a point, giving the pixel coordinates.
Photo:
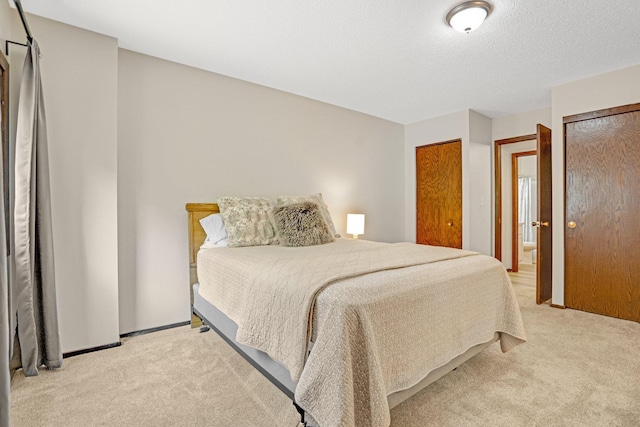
(301, 224)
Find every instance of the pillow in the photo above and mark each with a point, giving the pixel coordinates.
(301, 224)
(209, 245)
(214, 227)
(314, 198)
(248, 221)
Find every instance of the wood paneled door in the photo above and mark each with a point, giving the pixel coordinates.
(439, 194)
(602, 201)
(544, 283)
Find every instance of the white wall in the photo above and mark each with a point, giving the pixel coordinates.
(5, 24)
(479, 182)
(520, 124)
(79, 79)
(186, 135)
(528, 166)
(608, 90)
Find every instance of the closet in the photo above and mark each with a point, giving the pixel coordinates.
(602, 202)
(439, 194)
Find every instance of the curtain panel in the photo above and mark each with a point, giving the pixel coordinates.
(5, 318)
(34, 279)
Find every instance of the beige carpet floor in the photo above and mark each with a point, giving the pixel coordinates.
(577, 369)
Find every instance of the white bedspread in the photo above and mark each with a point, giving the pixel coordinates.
(376, 333)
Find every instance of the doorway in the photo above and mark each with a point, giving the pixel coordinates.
(506, 187)
(524, 211)
(506, 221)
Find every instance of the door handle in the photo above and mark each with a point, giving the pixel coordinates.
(571, 224)
(540, 224)
(450, 224)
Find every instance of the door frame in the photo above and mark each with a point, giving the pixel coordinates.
(498, 189)
(515, 206)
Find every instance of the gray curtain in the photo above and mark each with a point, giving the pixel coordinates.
(34, 281)
(5, 320)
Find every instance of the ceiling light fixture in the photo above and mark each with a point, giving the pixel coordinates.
(468, 16)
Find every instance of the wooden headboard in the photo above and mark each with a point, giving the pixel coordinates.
(196, 212)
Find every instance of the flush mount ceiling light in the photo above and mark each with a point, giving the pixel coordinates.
(468, 16)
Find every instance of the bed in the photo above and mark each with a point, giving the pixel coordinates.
(350, 329)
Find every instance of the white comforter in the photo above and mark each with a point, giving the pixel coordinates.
(375, 333)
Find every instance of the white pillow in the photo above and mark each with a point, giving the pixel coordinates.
(208, 245)
(214, 227)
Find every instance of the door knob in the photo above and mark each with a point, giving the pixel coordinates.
(571, 224)
(450, 224)
(540, 224)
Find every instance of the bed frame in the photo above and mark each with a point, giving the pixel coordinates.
(205, 315)
(197, 235)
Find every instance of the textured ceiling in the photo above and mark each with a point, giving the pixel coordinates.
(395, 59)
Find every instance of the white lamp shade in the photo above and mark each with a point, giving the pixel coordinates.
(468, 16)
(355, 224)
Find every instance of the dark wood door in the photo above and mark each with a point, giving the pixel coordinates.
(439, 194)
(543, 257)
(602, 234)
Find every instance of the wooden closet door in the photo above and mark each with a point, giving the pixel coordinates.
(602, 230)
(439, 194)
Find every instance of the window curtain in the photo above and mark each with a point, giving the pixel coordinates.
(525, 215)
(33, 283)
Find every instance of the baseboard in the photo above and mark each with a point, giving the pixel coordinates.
(90, 350)
(156, 329)
(558, 306)
(127, 335)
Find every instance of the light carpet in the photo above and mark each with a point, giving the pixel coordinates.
(577, 369)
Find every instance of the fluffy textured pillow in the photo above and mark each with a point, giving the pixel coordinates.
(213, 225)
(301, 224)
(314, 198)
(248, 221)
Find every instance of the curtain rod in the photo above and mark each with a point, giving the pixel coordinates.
(24, 24)
(24, 20)
(6, 45)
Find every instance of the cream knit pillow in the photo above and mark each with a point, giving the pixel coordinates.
(248, 221)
